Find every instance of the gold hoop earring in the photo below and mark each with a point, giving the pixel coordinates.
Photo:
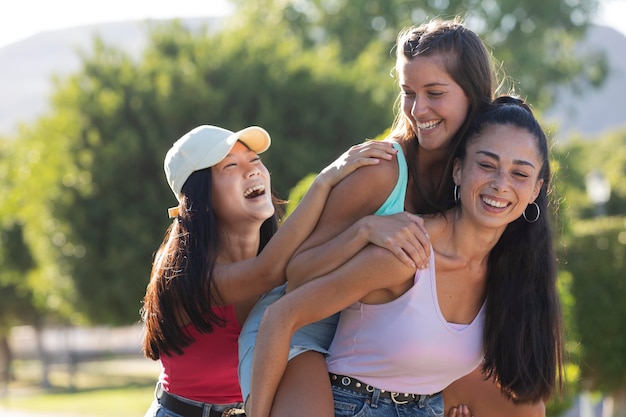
(536, 216)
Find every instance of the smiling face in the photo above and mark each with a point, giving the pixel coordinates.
(241, 188)
(435, 105)
(499, 175)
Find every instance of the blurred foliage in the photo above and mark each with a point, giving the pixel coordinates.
(592, 251)
(536, 40)
(596, 252)
(89, 184)
(85, 197)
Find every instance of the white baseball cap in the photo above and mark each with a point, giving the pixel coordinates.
(206, 146)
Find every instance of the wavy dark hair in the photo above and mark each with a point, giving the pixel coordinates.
(523, 329)
(181, 281)
(470, 64)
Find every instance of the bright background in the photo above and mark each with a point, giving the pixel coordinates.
(25, 18)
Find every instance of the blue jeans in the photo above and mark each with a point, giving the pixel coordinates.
(349, 403)
(316, 337)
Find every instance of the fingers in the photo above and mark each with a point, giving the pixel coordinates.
(416, 242)
(405, 236)
(459, 411)
(403, 257)
(363, 154)
(373, 149)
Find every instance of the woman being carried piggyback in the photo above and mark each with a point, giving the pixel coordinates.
(222, 251)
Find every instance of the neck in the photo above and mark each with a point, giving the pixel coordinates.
(430, 168)
(463, 240)
(237, 245)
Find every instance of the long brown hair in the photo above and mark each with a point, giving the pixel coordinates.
(468, 62)
(523, 329)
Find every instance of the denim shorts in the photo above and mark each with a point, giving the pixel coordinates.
(349, 403)
(316, 337)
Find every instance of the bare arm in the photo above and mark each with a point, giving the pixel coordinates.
(241, 281)
(402, 234)
(346, 226)
(472, 395)
(318, 299)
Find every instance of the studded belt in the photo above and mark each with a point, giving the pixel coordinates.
(355, 385)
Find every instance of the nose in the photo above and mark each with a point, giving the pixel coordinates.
(419, 107)
(499, 181)
(252, 171)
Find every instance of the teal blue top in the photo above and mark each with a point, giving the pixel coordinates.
(395, 202)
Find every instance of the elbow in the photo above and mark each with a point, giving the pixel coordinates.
(291, 269)
(273, 275)
(277, 321)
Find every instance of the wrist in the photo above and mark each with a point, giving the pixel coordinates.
(323, 182)
(365, 230)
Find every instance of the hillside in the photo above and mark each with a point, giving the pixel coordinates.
(27, 68)
(596, 111)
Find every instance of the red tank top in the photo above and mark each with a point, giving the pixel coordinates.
(207, 370)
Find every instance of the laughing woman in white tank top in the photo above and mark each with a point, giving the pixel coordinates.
(488, 296)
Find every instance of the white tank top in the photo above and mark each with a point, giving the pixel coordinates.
(406, 345)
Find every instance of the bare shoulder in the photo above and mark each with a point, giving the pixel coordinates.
(362, 192)
(359, 194)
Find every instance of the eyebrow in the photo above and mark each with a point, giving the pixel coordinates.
(515, 161)
(429, 85)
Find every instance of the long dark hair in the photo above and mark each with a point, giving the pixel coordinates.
(181, 281)
(468, 62)
(523, 335)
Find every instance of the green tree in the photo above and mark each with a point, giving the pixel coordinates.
(593, 253)
(536, 40)
(596, 254)
(89, 187)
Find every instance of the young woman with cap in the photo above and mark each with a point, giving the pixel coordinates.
(492, 302)
(217, 258)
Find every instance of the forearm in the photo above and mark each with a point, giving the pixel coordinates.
(321, 259)
(270, 361)
(253, 277)
(349, 283)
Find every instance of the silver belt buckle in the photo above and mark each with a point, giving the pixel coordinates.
(158, 391)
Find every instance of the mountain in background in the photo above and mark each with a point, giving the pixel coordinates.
(27, 68)
(596, 111)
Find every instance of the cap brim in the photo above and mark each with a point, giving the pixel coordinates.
(254, 137)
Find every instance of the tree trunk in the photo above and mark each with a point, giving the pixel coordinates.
(6, 359)
(43, 355)
(618, 403)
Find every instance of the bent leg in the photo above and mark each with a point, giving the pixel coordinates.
(305, 389)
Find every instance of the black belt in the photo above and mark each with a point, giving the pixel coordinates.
(183, 408)
(355, 385)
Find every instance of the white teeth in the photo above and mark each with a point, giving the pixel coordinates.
(252, 190)
(428, 125)
(494, 203)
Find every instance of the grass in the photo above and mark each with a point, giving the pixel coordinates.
(123, 388)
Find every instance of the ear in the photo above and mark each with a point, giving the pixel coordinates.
(536, 191)
(456, 171)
